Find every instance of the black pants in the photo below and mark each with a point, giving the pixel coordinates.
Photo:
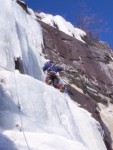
(52, 76)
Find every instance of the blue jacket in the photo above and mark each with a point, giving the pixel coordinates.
(49, 66)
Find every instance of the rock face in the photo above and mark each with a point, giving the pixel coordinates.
(88, 73)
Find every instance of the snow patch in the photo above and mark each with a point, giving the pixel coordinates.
(62, 25)
(45, 111)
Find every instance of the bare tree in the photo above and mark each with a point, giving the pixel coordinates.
(88, 21)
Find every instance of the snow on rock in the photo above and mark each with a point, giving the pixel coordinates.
(62, 24)
(31, 12)
(107, 117)
(22, 1)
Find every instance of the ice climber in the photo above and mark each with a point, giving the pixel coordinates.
(52, 77)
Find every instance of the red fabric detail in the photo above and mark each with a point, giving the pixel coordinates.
(58, 85)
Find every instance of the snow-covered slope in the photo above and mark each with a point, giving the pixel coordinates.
(34, 115)
(46, 114)
(62, 25)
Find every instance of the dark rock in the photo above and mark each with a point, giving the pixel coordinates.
(23, 5)
(86, 66)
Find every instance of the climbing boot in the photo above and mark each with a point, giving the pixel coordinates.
(49, 82)
(62, 88)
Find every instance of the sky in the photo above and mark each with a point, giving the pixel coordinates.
(69, 9)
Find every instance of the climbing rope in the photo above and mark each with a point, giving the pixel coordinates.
(19, 107)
